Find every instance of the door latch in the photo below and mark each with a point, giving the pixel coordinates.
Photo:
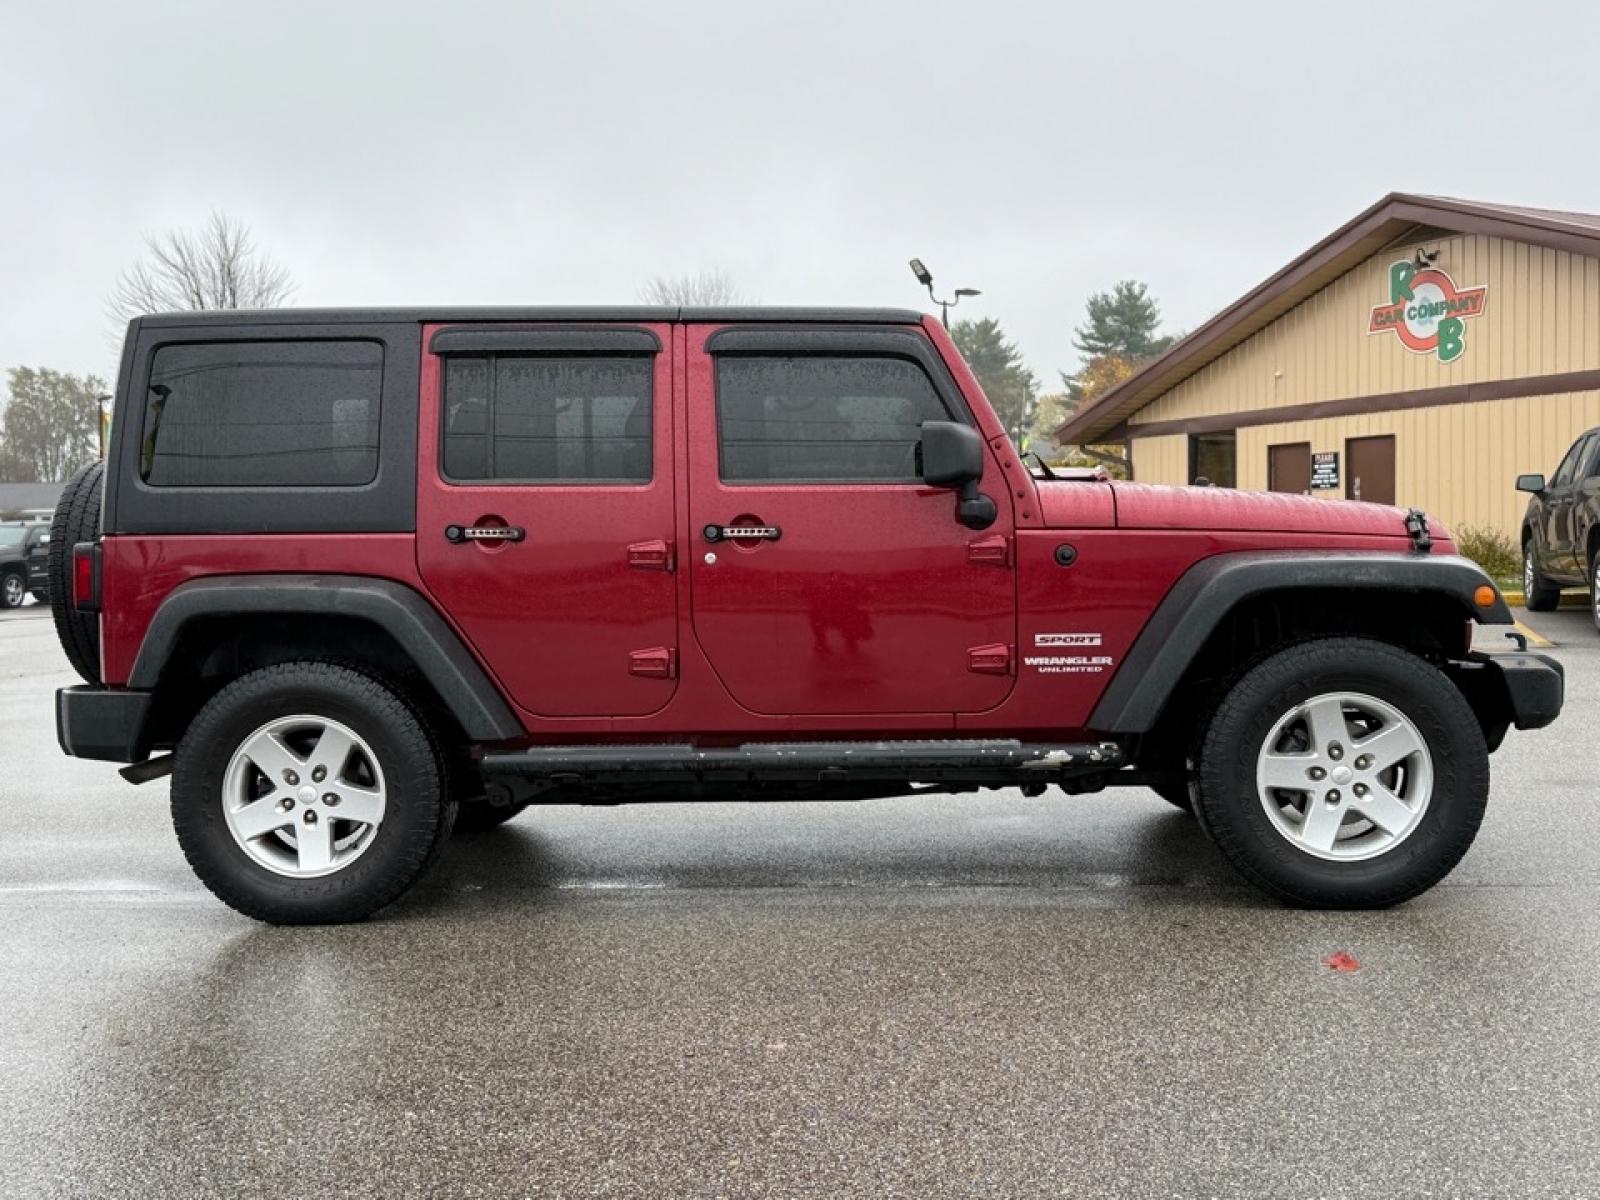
(658, 662)
(651, 556)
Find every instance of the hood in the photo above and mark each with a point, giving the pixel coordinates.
(1148, 506)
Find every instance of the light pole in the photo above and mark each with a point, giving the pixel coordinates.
(100, 421)
(925, 278)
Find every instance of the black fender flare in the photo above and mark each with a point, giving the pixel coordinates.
(446, 663)
(1205, 594)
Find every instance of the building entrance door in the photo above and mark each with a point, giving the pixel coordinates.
(1369, 469)
(1289, 468)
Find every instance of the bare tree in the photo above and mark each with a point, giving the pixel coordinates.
(184, 270)
(704, 289)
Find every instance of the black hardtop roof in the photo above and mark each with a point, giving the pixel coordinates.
(447, 315)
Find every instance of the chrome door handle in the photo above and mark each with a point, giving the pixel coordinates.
(457, 534)
(728, 533)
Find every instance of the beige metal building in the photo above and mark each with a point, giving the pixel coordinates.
(1423, 355)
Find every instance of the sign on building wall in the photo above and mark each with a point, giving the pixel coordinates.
(1427, 311)
(1325, 469)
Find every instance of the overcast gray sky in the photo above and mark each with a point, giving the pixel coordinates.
(466, 152)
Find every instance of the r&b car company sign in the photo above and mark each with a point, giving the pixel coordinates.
(1427, 311)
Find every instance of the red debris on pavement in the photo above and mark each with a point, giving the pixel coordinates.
(1342, 962)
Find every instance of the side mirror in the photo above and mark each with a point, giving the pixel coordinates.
(952, 457)
(952, 454)
(1530, 483)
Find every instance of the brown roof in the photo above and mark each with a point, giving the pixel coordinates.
(1396, 218)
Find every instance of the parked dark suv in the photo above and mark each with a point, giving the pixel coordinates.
(17, 542)
(1561, 529)
(362, 577)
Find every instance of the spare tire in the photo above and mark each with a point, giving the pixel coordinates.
(77, 520)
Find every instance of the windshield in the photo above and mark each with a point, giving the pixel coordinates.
(11, 537)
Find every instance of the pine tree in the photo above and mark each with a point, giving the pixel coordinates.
(1123, 323)
(1008, 385)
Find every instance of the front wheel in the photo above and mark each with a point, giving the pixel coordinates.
(1538, 593)
(309, 793)
(1343, 773)
(1594, 589)
(13, 590)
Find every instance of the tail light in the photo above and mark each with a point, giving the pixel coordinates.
(86, 577)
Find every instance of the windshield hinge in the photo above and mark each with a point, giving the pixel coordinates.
(1417, 527)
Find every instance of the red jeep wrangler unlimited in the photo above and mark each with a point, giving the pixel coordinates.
(358, 577)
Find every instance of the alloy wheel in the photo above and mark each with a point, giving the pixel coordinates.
(304, 796)
(1345, 776)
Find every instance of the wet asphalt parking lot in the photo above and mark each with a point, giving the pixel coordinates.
(978, 996)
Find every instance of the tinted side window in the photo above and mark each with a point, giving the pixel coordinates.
(262, 414)
(1576, 457)
(838, 420)
(545, 420)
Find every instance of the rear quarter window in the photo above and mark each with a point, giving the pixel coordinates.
(262, 414)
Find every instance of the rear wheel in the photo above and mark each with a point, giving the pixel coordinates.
(77, 520)
(309, 793)
(1538, 593)
(1343, 773)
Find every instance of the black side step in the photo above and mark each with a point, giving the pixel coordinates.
(992, 762)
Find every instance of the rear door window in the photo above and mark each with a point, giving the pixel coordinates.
(516, 419)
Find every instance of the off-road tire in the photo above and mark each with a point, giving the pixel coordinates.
(77, 520)
(1232, 808)
(415, 825)
(1538, 593)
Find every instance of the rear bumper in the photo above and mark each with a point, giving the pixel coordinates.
(112, 726)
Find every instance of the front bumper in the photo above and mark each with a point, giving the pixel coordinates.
(110, 725)
(1535, 686)
(1518, 688)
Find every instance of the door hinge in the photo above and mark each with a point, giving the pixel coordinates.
(651, 556)
(658, 662)
(990, 551)
(990, 660)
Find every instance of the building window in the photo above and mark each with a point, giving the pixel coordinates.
(1213, 459)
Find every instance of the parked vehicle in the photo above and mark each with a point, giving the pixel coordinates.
(16, 542)
(1561, 528)
(361, 577)
(39, 568)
